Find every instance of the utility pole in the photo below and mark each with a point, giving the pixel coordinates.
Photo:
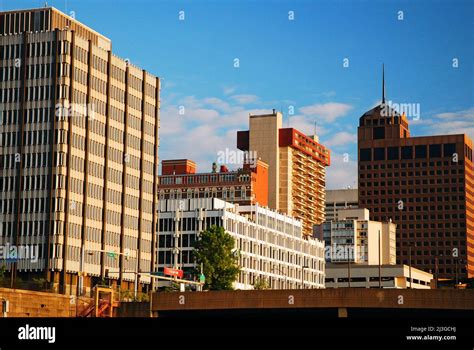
(349, 272)
(380, 265)
(176, 239)
(80, 284)
(137, 276)
(302, 275)
(409, 268)
(273, 268)
(178, 242)
(456, 271)
(349, 260)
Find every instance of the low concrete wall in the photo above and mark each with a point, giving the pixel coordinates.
(132, 309)
(26, 303)
(447, 299)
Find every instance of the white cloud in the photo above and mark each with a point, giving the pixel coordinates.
(342, 172)
(305, 125)
(207, 126)
(328, 94)
(327, 112)
(218, 104)
(229, 90)
(467, 115)
(449, 123)
(245, 99)
(341, 139)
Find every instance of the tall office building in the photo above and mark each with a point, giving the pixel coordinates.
(296, 167)
(425, 185)
(78, 163)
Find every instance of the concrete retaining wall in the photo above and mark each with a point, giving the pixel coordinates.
(25, 303)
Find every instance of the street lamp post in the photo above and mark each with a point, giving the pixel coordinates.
(80, 284)
(91, 252)
(279, 270)
(302, 275)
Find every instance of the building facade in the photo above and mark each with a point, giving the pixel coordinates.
(369, 276)
(356, 239)
(79, 156)
(425, 185)
(340, 199)
(296, 167)
(270, 244)
(245, 186)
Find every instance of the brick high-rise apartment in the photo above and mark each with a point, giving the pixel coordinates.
(425, 185)
(79, 152)
(296, 167)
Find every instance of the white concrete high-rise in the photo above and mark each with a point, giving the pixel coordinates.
(271, 244)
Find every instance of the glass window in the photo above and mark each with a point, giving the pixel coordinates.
(379, 133)
(449, 149)
(379, 153)
(407, 152)
(393, 153)
(435, 151)
(421, 151)
(365, 155)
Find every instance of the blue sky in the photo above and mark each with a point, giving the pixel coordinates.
(284, 63)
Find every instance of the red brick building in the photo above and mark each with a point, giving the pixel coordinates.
(248, 185)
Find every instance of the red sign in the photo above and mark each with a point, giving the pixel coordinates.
(173, 272)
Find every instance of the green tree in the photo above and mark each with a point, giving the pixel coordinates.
(261, 283)
(215, 251)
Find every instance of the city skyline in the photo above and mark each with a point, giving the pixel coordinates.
(236, 167)
(205, 99)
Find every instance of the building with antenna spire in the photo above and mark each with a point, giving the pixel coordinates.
(383, 84)
(424, 184)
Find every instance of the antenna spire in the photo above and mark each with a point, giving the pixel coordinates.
(383, 84)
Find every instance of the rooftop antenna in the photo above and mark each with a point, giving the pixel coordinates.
(383, 83)
(315, 124)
